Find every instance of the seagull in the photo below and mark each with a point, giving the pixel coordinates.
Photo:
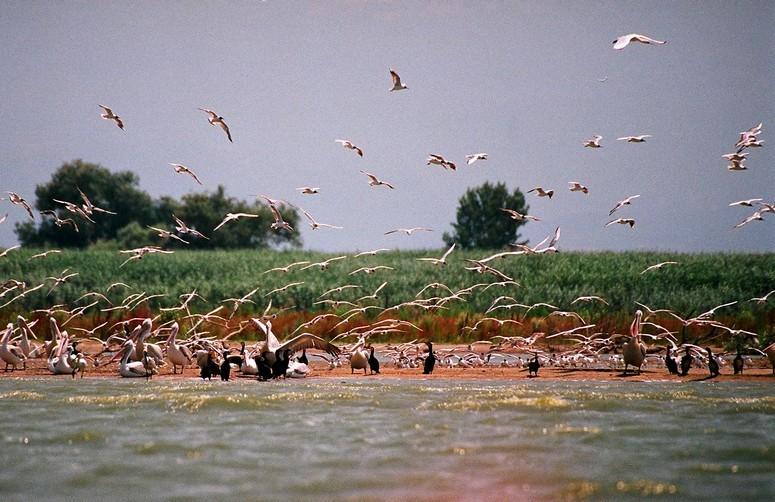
(621, 203)
(625, 40)
(409, 231)
(440, 161)
(166, 234)
(371, 270)
(181, 169)
(621, 221)
(575, 186)
(59, 222)
(284, 288)
(286, 268)
(736, 165)
(315, 225)
(659, 266)
(339, 289)
(308, 190)
(323, 264)
(541, 192)
(215, 119)
(593, 142)
(439, 261)
(589, 298)
(44, 254)
(757, 216)
(90, 208)
(635, 139)
(747, 202)
(374, 181)
(73, 208)
(185, 229)
(762, 299)
(470, 159)
(234, 216)
(279, 222)
(346, 143)
(109, 115)
(373, 252)
(516, 215)
(397, 85)
(138, 253)
(15, 198)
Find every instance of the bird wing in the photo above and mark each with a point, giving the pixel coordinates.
(396, 79)
(225, 129)
(451, 248)
(309, 341)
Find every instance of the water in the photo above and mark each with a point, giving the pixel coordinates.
(375, 439)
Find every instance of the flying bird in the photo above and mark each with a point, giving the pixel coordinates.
(439, 261)
(593, 142)
(635, 139)
(308, 190)
(181, 169)
(214, 119)
(516, 215)
(659, 266)
(233, 217)
(440, 161)
(315, 224)
(409, 231)
(166, 234)
(90, 208)
(575, 186)
(622, 221)
(346, 143)
(397, 85)
(15, 198)
(181, 227)
(374, 181)
(470, 159)
(747, 202)
(279, 222)
(540, 192)
(621, 203)
(625, 40)
(109, 115)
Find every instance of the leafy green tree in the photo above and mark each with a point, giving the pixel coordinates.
(116, 192)
(481, 223)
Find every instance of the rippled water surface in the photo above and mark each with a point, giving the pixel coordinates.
(386, 439)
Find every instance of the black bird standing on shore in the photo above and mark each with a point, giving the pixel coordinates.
(686, 362)
(280, 366)
(712, 364)
(303, 358)
(670, 362)
(430, 361)
(373, 362)
(532, 366)
(264, 369)
(210, 367)
(225, 367)
(738, 363)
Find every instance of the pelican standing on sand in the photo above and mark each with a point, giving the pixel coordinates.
(633, 351)
(10, 354)
(179, 355)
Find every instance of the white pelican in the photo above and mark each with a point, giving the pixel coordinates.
(633, 351)
(179, 355)
(272, 345)
(625, 40)
(11, 354)
(359, 357)
(126, 369)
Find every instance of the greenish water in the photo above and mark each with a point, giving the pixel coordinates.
(385, 439)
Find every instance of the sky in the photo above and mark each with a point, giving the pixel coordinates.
(517, 80)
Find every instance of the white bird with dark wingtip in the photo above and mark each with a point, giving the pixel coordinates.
(625, 40)
(233, 217)
(575, 186)
(658, 266)
(516, 215)
(279, 222)
(181, 169)
(622, 203)
(439, 160)
(346, 143)
(374, 181)
(622, 221)
(440, 261)
(541, 192)
(109, 115)
(746, 202)
(635, 139)
(408, 231)
(315, 224)
(308, 190)
(215, 119)
(397, 84)
(470, 159)
(593, 142)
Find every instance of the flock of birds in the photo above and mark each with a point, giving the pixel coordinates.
(140, 350)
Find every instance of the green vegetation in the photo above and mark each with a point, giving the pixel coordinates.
(698, 283)
(135, 211)
(481, 222)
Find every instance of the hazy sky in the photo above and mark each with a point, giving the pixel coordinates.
(518, 80)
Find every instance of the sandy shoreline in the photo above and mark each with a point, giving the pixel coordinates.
(37, 369)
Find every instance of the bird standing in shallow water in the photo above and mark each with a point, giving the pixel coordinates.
(738, 363)
(225, 367)
(532, 366)
(670, 362)
(430, 361)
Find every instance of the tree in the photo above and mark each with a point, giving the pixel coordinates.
(136, 210)
(480, 221)
(116, 192)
